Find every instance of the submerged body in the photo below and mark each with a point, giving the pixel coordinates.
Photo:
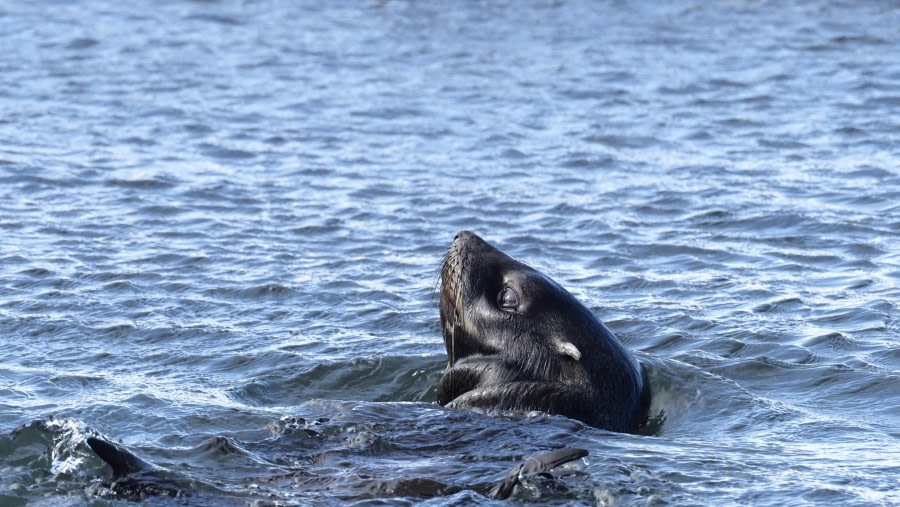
(516, 340)
(136, 479)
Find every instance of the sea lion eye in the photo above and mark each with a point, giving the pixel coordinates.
(508, 299)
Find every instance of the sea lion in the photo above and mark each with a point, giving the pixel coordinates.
(136, 479)
(517, 341)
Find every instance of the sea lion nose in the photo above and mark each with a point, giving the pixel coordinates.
(471, 241)
(464, 235)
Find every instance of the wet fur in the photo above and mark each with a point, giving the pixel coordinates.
(500, 360)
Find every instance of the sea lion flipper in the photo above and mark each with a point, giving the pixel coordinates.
(541, 463)
(136, 479)
(544, 462)
(120, 460)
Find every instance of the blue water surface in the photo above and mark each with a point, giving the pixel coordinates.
(222, 223)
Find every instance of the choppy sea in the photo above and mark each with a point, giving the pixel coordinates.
(221, 224)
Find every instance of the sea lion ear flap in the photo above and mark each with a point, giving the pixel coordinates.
(568, 349)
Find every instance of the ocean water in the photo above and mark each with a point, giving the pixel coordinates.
(222, 224)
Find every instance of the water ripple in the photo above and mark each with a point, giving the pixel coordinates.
(222, 224)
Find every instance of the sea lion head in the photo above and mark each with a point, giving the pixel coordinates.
(517, 340)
